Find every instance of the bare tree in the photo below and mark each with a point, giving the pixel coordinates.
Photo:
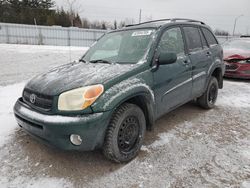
(149, 18)
(85, 23)
(129, 21)
(115, 25)
(122, 24)
(75, 8)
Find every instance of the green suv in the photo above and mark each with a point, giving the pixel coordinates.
(129, 78)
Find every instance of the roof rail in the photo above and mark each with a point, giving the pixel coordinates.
(170, 20)
(188, 20)
(148, 22)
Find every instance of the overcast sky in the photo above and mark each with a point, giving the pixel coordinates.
(216, 13)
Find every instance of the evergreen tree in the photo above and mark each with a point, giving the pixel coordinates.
(77, 21)
(25, 11)
(62, 18)
(39, 12)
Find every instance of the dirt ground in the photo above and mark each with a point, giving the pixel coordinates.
(188, 147)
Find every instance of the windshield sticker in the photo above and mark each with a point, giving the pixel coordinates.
(141, 33)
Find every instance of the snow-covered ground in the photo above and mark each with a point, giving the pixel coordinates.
(8, 96)
(21, 62)
(189, 147)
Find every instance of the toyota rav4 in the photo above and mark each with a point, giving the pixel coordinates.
(125, 81)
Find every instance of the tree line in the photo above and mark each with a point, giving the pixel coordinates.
(44, 12)
(220, 32)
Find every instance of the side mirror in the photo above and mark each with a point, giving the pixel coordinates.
(167, 58)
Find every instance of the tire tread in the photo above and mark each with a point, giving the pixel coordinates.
(202, 100)
(107, 147)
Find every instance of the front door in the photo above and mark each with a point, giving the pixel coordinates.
(172, 82)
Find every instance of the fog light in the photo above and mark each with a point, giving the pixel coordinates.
(76, 139)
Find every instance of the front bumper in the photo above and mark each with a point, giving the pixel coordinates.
(236, 74)
(55, 130)
(237, 70)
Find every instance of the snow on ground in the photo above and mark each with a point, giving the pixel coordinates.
(8, 127)
(184, 147)
(36, 183)
(203, 149)
(189, 147)
(8, 96)
(21, 62)
(239, 95)
(245, 184)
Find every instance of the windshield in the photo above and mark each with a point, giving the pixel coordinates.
(121, 47)
(237, 44)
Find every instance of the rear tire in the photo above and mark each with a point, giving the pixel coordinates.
(125, 133)
(209, 97)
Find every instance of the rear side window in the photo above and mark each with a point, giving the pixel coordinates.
(203, 40)
(193, 38)
(210, 37)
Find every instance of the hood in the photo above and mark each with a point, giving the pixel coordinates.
(75, 75)
(236, 54)
(236, 57)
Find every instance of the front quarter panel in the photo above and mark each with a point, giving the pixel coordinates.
(123, 91)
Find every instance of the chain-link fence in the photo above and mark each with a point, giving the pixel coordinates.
(47, 35)
(55, 35)
(223, 39)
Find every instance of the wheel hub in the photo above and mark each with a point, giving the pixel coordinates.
(128, 134)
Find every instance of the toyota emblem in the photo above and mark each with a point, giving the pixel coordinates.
(32, 98)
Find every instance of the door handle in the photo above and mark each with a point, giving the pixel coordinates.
(186, 61)
(208, 54)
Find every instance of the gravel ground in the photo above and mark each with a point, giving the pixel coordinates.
(189, 147)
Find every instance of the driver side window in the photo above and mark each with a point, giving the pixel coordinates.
(172, 42)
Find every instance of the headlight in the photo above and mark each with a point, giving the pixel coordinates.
(79, 99)
(244, 61)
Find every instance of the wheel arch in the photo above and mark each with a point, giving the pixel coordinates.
(217, 73)
(143, 102)
(137, 93)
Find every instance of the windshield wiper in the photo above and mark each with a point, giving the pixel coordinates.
(82, 60)
(101, 61)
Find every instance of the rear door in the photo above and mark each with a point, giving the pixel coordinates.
(200, 56)
(214, 47)
(173, 82)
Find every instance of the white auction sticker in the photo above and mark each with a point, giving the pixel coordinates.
(141, 33)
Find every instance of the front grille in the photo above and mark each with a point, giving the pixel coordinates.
(231, 67)
(42, 102)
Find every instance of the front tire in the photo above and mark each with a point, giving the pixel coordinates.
(209, 97)
(125, 133)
